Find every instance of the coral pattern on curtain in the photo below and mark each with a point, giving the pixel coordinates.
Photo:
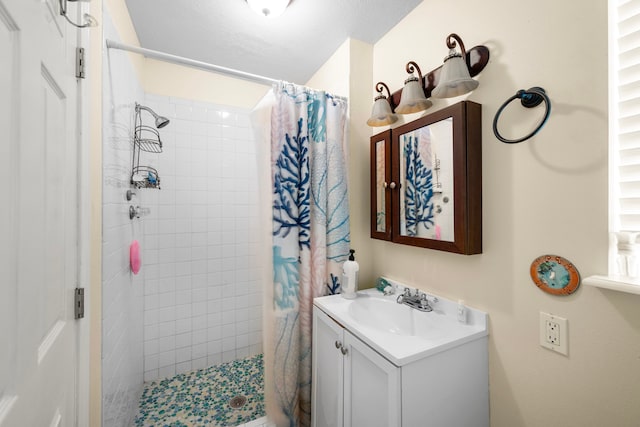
(310, 231)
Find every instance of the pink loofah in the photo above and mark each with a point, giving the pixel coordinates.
(134, 256)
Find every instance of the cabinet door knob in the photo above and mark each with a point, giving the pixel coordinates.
(344, 351)
(392, 185)
(385, 185)
(338, 344)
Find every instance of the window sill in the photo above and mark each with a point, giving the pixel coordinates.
(615, 283)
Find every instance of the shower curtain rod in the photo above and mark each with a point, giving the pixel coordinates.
(192, 63)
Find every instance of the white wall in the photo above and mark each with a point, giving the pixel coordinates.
(122, 296)
(544, 196)
(203, 301)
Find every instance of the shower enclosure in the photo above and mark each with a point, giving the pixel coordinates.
(197, 299)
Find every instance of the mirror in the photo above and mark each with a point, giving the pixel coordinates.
(380, 179)
(426, 181)
(427, 189)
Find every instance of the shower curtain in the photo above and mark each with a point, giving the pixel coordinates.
(309, 233)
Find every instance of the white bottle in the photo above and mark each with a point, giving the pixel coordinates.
(350, 276)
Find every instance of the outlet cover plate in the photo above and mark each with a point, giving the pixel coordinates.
(554, 333)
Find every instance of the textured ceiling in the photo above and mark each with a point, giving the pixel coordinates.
(291, 47)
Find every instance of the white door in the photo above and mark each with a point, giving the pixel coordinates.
(371, 387)
(327, 373)
(39, 231)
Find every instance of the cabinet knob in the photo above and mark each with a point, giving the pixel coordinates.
(392, 185)
(385, 185)
(344, 351)
(338, 344)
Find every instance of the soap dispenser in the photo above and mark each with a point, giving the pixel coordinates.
(350, 276)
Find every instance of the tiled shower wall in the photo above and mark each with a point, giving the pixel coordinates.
(122, 292)
(202, 297)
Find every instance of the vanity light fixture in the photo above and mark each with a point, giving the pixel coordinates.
(454, 76)
(451, 79)
(413, 98)
(382, 114)
(89, 21)
(268, 8)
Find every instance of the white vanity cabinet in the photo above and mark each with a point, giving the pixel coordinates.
(352, 385)
(423, 370)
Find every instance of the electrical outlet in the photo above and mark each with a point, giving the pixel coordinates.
(554, 333)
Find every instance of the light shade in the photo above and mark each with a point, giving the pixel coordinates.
(268, 8)
(454, 78)
(412, 99)
(381, 114)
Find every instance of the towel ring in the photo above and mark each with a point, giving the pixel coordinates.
(528, 98)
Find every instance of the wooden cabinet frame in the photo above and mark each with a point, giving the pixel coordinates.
(467, 181)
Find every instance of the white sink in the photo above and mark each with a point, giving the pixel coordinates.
(400, 333)
(387, 315)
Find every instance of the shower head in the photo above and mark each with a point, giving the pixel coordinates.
(161, 121)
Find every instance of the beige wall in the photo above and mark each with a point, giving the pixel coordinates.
(164, 78)
(546, 195)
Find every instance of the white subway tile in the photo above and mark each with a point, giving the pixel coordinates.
(199, 350)
(199, 309)
(199, 363)
(150, 347)
(166, 314)
(183, 269)
(215, 333)
(184, 339)
(183, 354)
(182, 326)
(151, 375)
(151, 362)
(199, 322)
(242, 352)
(228, 356)
(167, 371)
(214, 359)
(166, 344)
(166, 329)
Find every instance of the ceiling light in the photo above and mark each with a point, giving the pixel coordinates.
(268, 8)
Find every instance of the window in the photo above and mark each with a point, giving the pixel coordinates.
(624, 142)
(625, 113)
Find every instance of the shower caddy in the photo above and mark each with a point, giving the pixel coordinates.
(145, 138)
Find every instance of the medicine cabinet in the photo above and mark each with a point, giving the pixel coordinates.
(426, 181)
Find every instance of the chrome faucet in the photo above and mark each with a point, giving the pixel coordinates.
(418, 300)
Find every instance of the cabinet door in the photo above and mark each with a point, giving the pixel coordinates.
(381, 185)
(371, 387)
(327, 372)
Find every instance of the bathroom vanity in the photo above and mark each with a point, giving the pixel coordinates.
(380, 363)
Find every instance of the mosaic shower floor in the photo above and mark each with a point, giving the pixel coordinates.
(203, 397)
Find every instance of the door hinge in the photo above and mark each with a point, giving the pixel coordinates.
(78, 303)
(80, 62)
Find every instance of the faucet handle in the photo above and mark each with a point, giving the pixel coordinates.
(429, 298)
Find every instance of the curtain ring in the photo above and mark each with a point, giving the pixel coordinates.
(528, 98)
